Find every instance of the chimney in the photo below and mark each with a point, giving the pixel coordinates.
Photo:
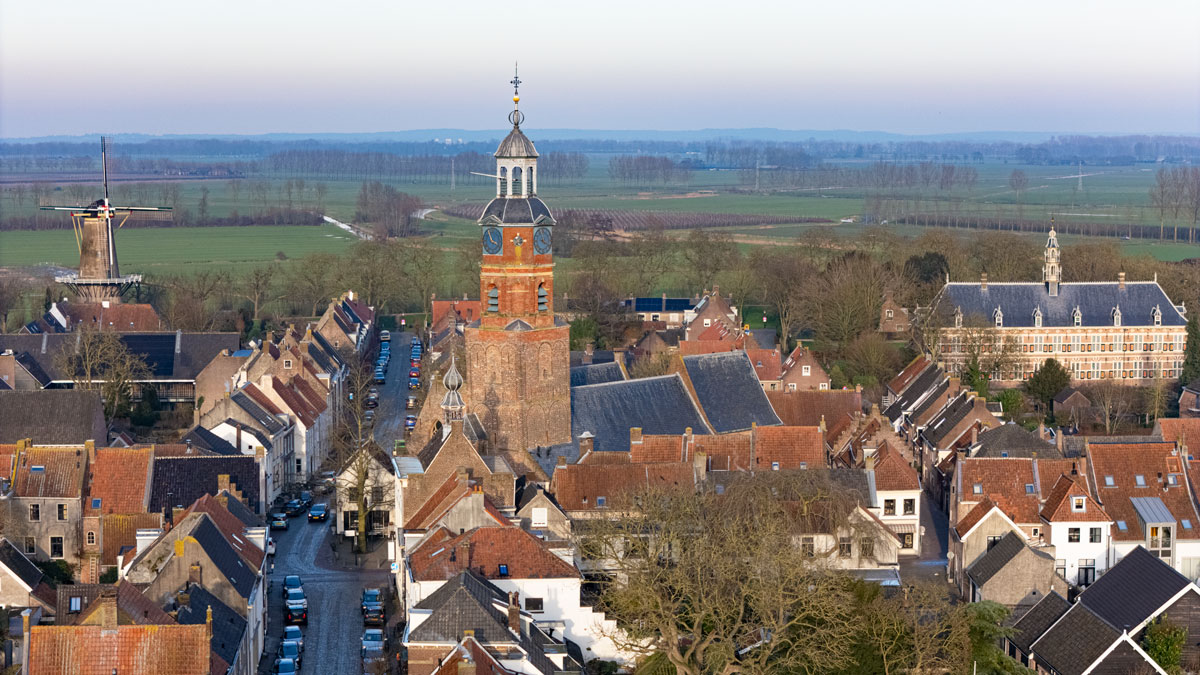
(107, 609)
(45, 337)
(974, 434)
(25, 617)
(587, 442)
(664, 302)
(1121, 280)
(635, 435)
(716, 291)
(1041, 432)
(562, 461)
(176, 514)
(1058, 441)
(869, 461)
(514, 612)
(178, 341)
(983, 281)
(196, 575)
(588, 352)
(91, 451)
(146, 537)
(955, 385)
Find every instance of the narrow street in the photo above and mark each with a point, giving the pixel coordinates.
(389, 416)
(335, 628)
(931, 564)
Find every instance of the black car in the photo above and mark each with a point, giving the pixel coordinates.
(290, 650)
(292, 581)
(294, 507)
(295, 614)
(372, 606)
(318, 512)
(306, 497)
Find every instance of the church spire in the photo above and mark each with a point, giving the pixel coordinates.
(452, 402)
(1051, 268)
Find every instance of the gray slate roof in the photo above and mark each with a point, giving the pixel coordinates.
(196, 350)
(941, 426)
(990, 563)
(20, 566)
(729, 391)
(1075, 641)
(260, 415)
(1073, 445)
(924, 382)
(596, 373)
(516, 211)
(240, 575)
(179, 481)
(1095, 301)
(659, 405)
(206, 440)
(516, 144)
(52, 417)
(1012, 440)
(1133, 589)
(464, 602)
(1038, 619)
(227, 625)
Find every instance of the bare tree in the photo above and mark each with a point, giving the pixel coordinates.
(785, 275)
(258, 287)
(1113, 403)
(99, 361)
(11, 290)
(1019, 182)
(354, 451)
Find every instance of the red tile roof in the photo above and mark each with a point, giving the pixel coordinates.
(1058, 505)
(906, 376)
(973, 516)
(792, 447)
(1005, 480)
(1124, 462)
(767, 363)
(659, 448)
(484, 549)
(1185, 429)
(116, 317)
(120, 479)
(577, 487)
(806, 408)
(119, 532)
(893, 472)
(293, 400)
(129, 650)
(60, 473)
(467, 310)
(437, 503)
(260, 398)
(8, 458)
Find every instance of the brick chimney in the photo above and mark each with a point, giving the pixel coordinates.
(1041, 432)
(869, 462)
(586, 443)
(91, 451)
(106, 608)
(589, 351)
(514, 612)
(635, 435)
(1121, 280)
(983, 281)
(196, 575)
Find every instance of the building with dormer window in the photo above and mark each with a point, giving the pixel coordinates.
(1128, 331)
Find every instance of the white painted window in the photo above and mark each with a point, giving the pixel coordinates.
(889, 313)
(791, 386)
(540, 516)
(806, 370)
(823, 386)
(1078, 504)
(707, 323)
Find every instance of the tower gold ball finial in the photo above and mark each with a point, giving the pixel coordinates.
(516, 99)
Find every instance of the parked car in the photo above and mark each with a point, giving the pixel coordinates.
(380, 376)
(294, 614)
(290, 650)
(294, 507)
(414, 372)
(279, 521)
(295, 634)
(410, 403)
(372, 606)
(410, 422)
(385, 336)
(414, 383)
(292, 581)
(295, 596)
(318, 512)
(372, 402)
(369, 415)
(374, 637)
(286, 667)
(271, 545)
(373, 659)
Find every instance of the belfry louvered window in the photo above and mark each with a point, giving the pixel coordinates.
(493, 299)
(543, 298)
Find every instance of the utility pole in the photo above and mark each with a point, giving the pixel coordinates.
(452, 173)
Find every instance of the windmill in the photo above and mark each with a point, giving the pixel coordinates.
(99, 279)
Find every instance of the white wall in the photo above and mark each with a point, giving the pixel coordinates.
(900, 519)
(1064, 549)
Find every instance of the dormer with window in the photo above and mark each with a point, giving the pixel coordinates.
(1116, 315)
(958, 317)
(998, 318)
(1077, 317)
(1037, 317)
(1157, 314)
(1078, 504)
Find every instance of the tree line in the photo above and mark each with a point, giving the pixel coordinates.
(647, 170)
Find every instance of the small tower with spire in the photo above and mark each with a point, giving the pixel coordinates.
(452, 402)
(1051, 269)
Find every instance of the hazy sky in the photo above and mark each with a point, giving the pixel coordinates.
(914, 66)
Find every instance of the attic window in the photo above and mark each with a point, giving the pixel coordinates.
(1109, 482)
(1172, 479)
(803, 465)
(977, 488)
(601, 501)
(37, 468)
(1139, 480)
(774, 466)
(1029, 488)
(503, 570)
(95, 502)
(287, 363)
(1122, 526)
(1078, 504)
(806, 370)
(1187, 524)
(1004, 453)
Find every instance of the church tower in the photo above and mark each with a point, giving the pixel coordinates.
(1051, 270)
(518, 363)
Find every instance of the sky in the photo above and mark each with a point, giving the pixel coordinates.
(913, 67)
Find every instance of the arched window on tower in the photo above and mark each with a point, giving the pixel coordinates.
(493, 299)
(529, 182)
(543, 298)
(516, 181)
(503, 182)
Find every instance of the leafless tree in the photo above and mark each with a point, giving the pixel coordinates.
(99, 361)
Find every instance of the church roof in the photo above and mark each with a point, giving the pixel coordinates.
(1095, 300)
(729, 391)
(516, 144)
(516, 210)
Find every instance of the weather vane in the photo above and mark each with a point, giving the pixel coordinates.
(516, 117)
(516, 81)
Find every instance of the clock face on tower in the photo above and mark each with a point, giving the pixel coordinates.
(541, 240)
(493, 241)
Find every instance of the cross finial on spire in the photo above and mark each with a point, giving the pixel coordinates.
(516, 117)
(515, 82)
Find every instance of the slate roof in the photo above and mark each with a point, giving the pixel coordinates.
(1095, 301)
(32, 367)
(990, 563)
(20, 566)
(729, 392)
(133, 606)
(1133, 589)
(596, 373)
(50, 472)
(52, 417)
(1034, 623)
(227, 625)
(179, 481)
(261, 415)
(1075, 641)
(941, 427)
(240, 511)
(906, 376)
(516, 211)
(241, 577)
(130, 650)
(206, 440)
(231, 528)
(1073, 445)
(1012, 440)
(483, 550)
(196, 350)
(463, 602)
(659, 405)
(923, 383)
(516, 145)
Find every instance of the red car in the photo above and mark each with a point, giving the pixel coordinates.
(415, 372)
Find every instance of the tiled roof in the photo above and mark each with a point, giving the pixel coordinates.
(50, 472)
(231, 527)
(52, 416)
(130, 650)
(465, 601)
(1058, 505)
(1133, 589)
(597, 373)
(239, 510)
(1094, 300)
(768, 364)
(484, 550)
(118, 481)
(229, 562)
(927, 379)
(1124, 463)
(906, 376)
(179, 481)
(673, 448)
(893, 472)
(119, 533)
(729, 391)
(121, 317)
(196, 350)
(251, 399)
(1186, 429)
(1009, 482)
(21, 567)
(1012, 440)
(807, 408)
(976, 514)
(437, 503)
(577, 487)
(228, 626)
(8, 460)
(1038, 619)
(294, 401)
(1075, 641)
(791, 447)
(203, 439)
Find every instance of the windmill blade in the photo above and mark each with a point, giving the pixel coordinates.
(64, 208)
(143, 208)
(104, 165)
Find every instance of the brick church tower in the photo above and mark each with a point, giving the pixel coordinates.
(518, 363)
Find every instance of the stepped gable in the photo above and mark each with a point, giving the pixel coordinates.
(728, 391)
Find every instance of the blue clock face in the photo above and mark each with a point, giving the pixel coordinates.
(541, 240)
(493, 241)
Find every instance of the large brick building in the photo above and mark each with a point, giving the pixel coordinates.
(518, 359)
(1125, 331)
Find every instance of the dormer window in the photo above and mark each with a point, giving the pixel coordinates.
(1116, 316)
(1109, 482)
(1078, 504)
(977, 488)
(1029, 488)
(1139, 480)
(1037, 317)
(958, 317)
(890, 313)
(1077, 317)
(1172, 479)
(998, 317)
(1157, 316)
